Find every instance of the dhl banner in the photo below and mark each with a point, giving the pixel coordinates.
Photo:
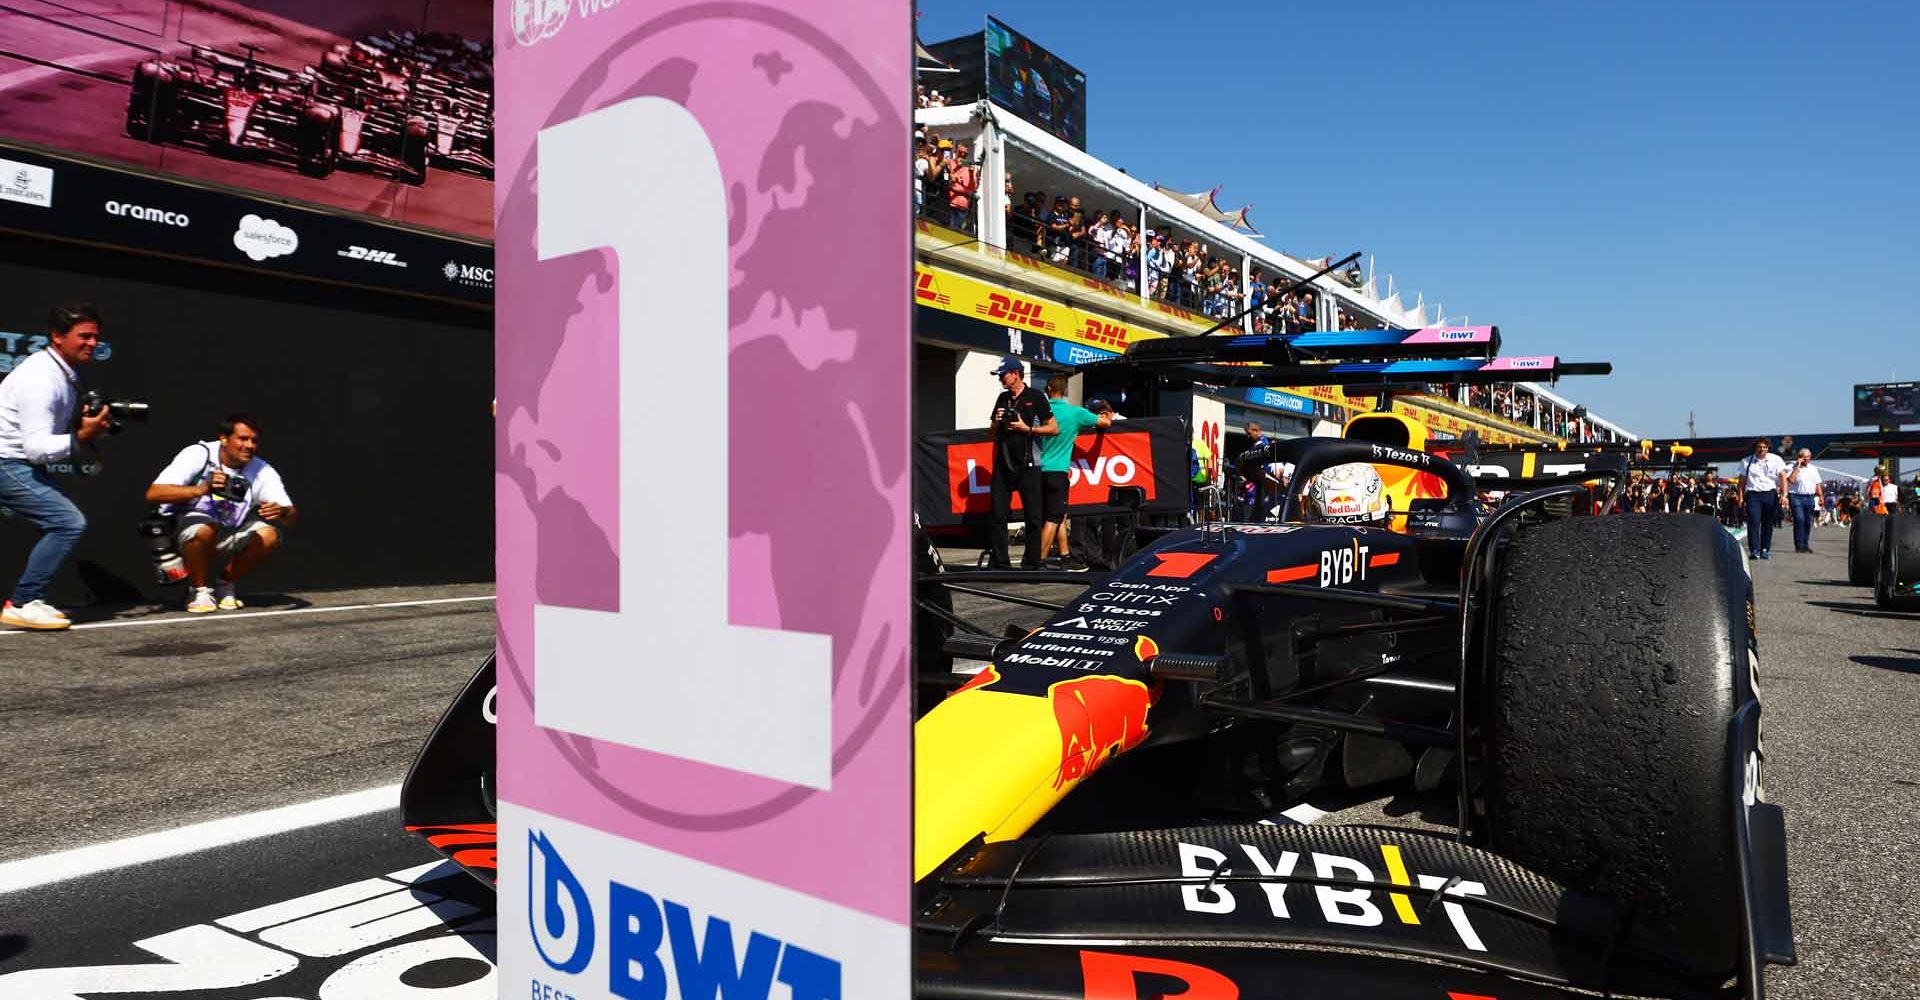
(956, 293)
(953, 471)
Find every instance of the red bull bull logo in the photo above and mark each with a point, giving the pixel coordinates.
(1099, 717)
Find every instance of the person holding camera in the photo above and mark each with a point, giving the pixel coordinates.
(1021, 417)
(41, 423)
(230, 505)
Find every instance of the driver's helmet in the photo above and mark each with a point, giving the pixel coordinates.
(1349, 494)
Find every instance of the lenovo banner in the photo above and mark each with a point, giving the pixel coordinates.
(704, 724)
(953, 471)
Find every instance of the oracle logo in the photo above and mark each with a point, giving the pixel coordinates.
(128, 210)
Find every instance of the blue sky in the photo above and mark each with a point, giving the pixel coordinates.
(1718, 198)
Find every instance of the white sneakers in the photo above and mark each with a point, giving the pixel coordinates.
(37, 615)
(219, 597)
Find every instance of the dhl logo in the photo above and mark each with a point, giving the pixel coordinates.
(1014, 310)
(923, 289)
(1104, 334)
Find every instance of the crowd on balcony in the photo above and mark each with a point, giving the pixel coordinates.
(925, 98)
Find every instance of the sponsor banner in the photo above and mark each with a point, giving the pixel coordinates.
(953, 471)
(130, 211)
(747, 781)
(950, 291)
(1286, 402)
(585, 914)
(26, 183)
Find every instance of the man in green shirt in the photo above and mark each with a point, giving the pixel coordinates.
(1056, 462)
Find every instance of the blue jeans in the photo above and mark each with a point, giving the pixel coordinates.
(31, 493)
(1802, 520)
(1760, 510)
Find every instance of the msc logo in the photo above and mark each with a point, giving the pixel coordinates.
(371, 256)
(468, 274)
(652, 948)
(1015, 311)
(565, 929)
(1105, 334)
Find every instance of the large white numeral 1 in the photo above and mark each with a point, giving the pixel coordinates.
(667, 672)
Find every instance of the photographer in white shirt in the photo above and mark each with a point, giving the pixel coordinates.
(39, 400)
(231, 506)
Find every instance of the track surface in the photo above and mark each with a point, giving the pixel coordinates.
(105, 743)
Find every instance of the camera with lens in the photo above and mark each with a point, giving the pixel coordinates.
(119, 411)
(158, 531)
(234, 488)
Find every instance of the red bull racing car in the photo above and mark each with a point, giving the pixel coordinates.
(1572, 693)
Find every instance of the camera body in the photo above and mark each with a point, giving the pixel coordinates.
(119, 411)
(234, 489)
(158, 532)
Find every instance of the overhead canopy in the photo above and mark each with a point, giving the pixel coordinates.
(1202, 202)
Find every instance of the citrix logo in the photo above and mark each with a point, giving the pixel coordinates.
(568, 928)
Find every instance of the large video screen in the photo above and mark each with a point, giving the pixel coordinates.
(1036, 84)
(1878, 403)
(372, 106)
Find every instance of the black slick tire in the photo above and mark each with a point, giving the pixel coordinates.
(1897, 565)
(1618, 650)
(1863, 547)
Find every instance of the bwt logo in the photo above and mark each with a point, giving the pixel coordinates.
(638, 927)
(1456, 335)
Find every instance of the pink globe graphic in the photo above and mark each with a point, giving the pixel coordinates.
(811, 148)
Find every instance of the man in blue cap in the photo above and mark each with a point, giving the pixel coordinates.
(1021, 417)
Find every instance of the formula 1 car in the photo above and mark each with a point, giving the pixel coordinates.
(1883, 551)
(1577, 688)
(237, 106)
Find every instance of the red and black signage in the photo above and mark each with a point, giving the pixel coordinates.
(953, 471)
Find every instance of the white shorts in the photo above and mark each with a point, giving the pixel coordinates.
(226, 541)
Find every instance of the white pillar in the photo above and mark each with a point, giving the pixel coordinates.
(992, 203)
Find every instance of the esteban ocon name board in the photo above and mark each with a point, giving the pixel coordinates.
(704, 726)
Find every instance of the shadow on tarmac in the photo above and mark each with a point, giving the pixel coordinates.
(1900, 664)
(1867, 609)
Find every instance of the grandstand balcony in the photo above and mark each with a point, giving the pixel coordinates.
(1032, 290)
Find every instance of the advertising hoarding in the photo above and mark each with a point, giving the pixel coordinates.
(704, 735)
(363, 106)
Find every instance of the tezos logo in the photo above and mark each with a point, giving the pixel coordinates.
(567, 929)
(260, 238)
(127, 210)
(471, 275)
(372, 256)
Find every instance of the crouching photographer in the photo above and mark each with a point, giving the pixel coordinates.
(228, 506)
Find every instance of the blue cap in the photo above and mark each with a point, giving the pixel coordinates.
(1010, 363)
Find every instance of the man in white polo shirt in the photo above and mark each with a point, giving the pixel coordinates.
(1763, 489)
(1806, 495)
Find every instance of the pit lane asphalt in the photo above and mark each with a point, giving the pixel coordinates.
(292, 709)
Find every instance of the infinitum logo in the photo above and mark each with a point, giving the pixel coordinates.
(372, 256)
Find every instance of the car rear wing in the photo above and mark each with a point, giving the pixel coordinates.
(1330, 345)
(1202, 892)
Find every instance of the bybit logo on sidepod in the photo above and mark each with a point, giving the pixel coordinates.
(557, 909)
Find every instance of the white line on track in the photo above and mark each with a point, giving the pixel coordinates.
(62, 865)
(227, 616)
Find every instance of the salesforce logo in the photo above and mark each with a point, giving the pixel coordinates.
(260, 238)
(565, 929)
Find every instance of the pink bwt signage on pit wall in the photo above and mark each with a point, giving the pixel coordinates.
(701, 479)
